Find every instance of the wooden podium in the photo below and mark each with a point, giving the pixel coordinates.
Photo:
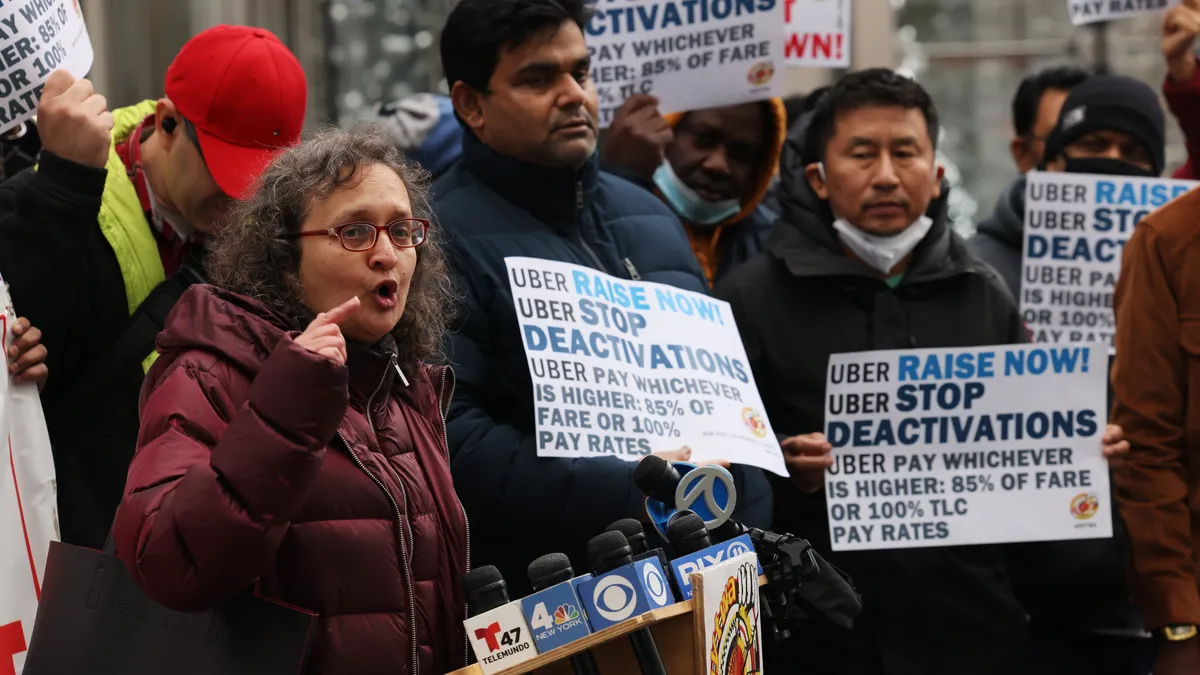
(678, 631)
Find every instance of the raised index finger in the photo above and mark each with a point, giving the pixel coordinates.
(342, 312)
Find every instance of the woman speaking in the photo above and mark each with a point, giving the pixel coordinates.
(292, 441)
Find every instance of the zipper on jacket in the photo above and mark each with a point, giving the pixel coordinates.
(579, 230)
(466, 522)
(407, 565)
(633, 273)
(399, 533)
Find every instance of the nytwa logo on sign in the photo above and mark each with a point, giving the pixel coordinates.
(28, 522)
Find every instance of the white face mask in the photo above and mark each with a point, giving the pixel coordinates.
(882, 253)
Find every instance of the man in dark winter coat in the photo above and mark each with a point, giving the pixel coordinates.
(528, 184)
(1035, 109)
(864, 259)
(1076, 591)
(100, 240)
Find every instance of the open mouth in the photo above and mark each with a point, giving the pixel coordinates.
(385, 292)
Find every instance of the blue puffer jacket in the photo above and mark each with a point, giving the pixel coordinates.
(491, 206)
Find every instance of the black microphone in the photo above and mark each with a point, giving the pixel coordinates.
(657, 479)
(687, 533)
(608, 551)
(485, 590)
(550, 570)
(636, 534)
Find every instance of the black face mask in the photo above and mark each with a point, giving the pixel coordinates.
(1107, 167)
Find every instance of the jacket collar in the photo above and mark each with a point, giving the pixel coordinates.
(372, 371)
(549, 195)
(807, 244)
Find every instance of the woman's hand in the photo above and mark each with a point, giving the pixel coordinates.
(27, 354)
(1114, 441)
(807, 457)
(324, 335)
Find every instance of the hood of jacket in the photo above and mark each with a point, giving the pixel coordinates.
(807, 243)
(1007, 222)
(768, 162)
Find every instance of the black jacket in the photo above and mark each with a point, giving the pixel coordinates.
(1001, 236)
(63, 275)
(522, 506)
(926, 611)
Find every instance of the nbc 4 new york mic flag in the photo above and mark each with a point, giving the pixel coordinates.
(28, 513)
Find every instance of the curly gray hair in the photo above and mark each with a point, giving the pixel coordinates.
(256, 254)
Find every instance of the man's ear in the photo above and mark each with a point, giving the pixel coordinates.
(815, 173)
(164, 111)
(939, 172)
(1021, 153)
(468, 104)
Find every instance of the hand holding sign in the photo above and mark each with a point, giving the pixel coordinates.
(27, 354)
(324, 335)
(638, 136)
(73, 120)
(807, 457)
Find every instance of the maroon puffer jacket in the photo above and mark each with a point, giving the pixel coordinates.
(329, 486)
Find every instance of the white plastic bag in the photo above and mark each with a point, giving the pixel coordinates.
(28, 505)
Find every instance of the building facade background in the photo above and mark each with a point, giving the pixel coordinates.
(970, 54)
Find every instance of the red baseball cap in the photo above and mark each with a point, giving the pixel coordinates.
(245, 93)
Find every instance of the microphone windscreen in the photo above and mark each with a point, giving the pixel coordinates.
(485, 589)
(656, 478)
(687, 533)
(633, 531)
(550, 569)
(606, 548)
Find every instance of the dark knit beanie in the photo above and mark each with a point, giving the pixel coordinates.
(1112, 103)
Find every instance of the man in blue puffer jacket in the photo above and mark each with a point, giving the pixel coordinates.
(528, 184)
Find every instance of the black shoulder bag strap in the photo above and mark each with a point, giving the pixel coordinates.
(136, 341)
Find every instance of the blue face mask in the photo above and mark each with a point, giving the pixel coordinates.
(690, 206)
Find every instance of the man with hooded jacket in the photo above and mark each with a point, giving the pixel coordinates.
(863, 259)
(713, 167)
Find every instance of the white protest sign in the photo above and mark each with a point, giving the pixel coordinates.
(36, 38)
(624, 368)
(1076, 226)
(817, 33)
(948, 447)
(1091, 11)
(28, 511)
(689, 54)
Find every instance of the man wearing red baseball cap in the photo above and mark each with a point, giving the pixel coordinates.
(100, 240)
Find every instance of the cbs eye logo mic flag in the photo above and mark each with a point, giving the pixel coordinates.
(625, 592)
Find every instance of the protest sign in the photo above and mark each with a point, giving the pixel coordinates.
(1076, 226)
(817, 33)
(624, 368)
(1091, 11)
(947, 447)
(28, 511)
(690, 54)
(36, 38)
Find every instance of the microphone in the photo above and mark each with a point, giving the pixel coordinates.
(622, 589)
(709, 491)
(696, 551)
(552, 610)
(495, 627)
(636, 535)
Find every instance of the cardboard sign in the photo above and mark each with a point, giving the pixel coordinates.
(817, 33)
(979, 445)
(691, 55)
(38, 37)
(624, 368)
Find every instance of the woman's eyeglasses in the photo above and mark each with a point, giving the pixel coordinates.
(404, 233)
